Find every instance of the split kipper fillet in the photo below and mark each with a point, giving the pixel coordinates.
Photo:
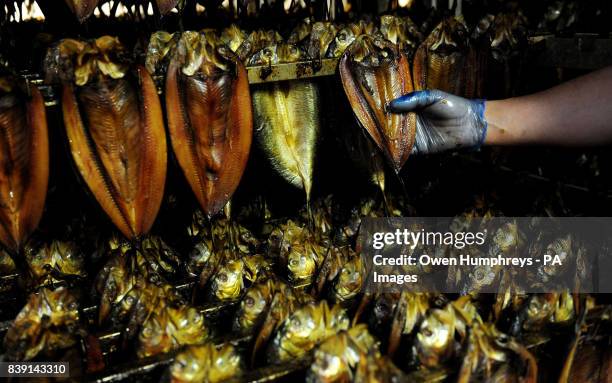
(24, 161)
(114, 124)
(209, 117)
(374, 72)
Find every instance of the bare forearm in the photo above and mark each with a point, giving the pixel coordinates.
(578, 112)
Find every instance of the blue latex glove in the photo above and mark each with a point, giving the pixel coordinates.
(444, 121)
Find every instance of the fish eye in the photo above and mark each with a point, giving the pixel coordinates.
(503, 339)
(249, 301)
(223, 277)
(479, 275)
(324, 364)
(293, 50)
(296, 322)
(427, 332)
(342, 37)
(267, 52)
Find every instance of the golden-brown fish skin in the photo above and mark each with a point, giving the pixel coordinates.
(209, 118)
(48, 322)
(336, 359)
(287, 118)
(401, 31)
(373, 73)
(82, 8)
(440, 61)
(305, 328)
(206, 363)
(24, 162)
(114, 124)
(321, 36)
(159, 51)
(168, 328)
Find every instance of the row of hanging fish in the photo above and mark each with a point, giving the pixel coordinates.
(115, 126)
(488, 336)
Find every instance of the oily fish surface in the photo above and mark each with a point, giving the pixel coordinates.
(440, 61)
(115, 128)
(209, 118)
(24, 162)
(373, 74)
(287, 125)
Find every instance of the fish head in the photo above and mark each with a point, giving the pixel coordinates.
(435, 337)
(342, 40)
(508, 35)
(449, 36)
(228, 282)
(154, 337)
(302, 324)
(266, 56)
(227, 363)
(199, 257)
(480, 277)
(565, 309)
(300, 32)
(321, 36)
(483, 26)
(561, 247)
(288, 53)
(233, 37)
(48, 322)
(539, 309)
(188, 325)
(254, 304)
(260, 39)
(112, 284)
(69, 259)
(330, 363)
(351, 278)
(302, 262)
(111, 56)
(159, 51)
(372, 51)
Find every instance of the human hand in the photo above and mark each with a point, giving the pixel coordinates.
(444, 121)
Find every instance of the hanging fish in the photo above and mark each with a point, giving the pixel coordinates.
(508, 41)
(82, 8)
(301, 32)
(287, 119)
(322, 35)
(440, 61)
(374, 72)
(209, 117)
(401, 31)
(237, 40)
(478, 58)
(115, 128)
(24, 162)
(159, 51)
(347, 34)
(165, 6)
